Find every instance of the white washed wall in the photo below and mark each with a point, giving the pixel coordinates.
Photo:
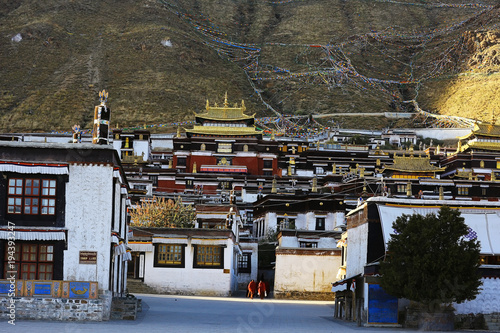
(488, 301)
(311, 273)
(88, 220)
(357, 245)
(189, 280)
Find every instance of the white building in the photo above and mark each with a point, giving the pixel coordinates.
(66, 207)
(368, 230)
(307, 257)
(190, 261)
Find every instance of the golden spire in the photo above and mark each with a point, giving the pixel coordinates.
(207, 106)
(225, 100)
(314, 185)
(274, 189)
(243, 108)
(178, 131)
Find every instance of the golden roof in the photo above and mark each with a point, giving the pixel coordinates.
(223, 130)
(225, 112)
(480, 145)
(483, 129)
(413, 164)
(487, 129)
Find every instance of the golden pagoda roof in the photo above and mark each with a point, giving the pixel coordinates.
(480, 145)
(484, 129)
(225, 112)
(223, 130)
(413, 163)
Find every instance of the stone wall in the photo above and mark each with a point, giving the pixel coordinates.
(305, 295)
(56, 309)
(125, 308)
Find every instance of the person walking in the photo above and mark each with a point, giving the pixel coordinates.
(261, 289)
(252, 289)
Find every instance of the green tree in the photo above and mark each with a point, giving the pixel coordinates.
(432, 260)
(163, 213)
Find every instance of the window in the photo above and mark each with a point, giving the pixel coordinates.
(181, 161)
(31, 261)
(212, 225)
(483, 191)
(320, 223)
(245, 263)
(154, 179)
(224, 148)
(320, 170)
(208, 256)
(189, 184)
(225, 185)
(268, 164)
(401, 188)
(463, 191)
(31, 196)
(308, 244)
(169, 255)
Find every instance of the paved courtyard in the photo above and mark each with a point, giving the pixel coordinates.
(165, 313)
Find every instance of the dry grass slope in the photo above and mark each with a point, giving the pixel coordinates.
(375, 55)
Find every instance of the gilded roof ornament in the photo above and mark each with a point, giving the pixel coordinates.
(413, 164)
(103, 97)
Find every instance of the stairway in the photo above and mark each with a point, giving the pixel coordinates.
(492, 321)
(136, 286)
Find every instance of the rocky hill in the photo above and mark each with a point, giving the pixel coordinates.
(161, 60)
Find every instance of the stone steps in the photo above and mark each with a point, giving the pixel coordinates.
(135, 286)
(492, 321)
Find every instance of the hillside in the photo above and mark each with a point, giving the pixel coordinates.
(161, 60)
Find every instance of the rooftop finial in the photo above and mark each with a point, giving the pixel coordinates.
(208, 105)
(225, 100)
(103, 97)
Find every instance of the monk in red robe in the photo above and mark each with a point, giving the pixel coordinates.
(252, 289)
(262, 289)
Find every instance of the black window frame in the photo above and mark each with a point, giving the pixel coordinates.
(320, 226)
(182, 161)
(57, 262)
(245, 266)
(195, 256)
(308, 245)
(156, 262)
(42, 220)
